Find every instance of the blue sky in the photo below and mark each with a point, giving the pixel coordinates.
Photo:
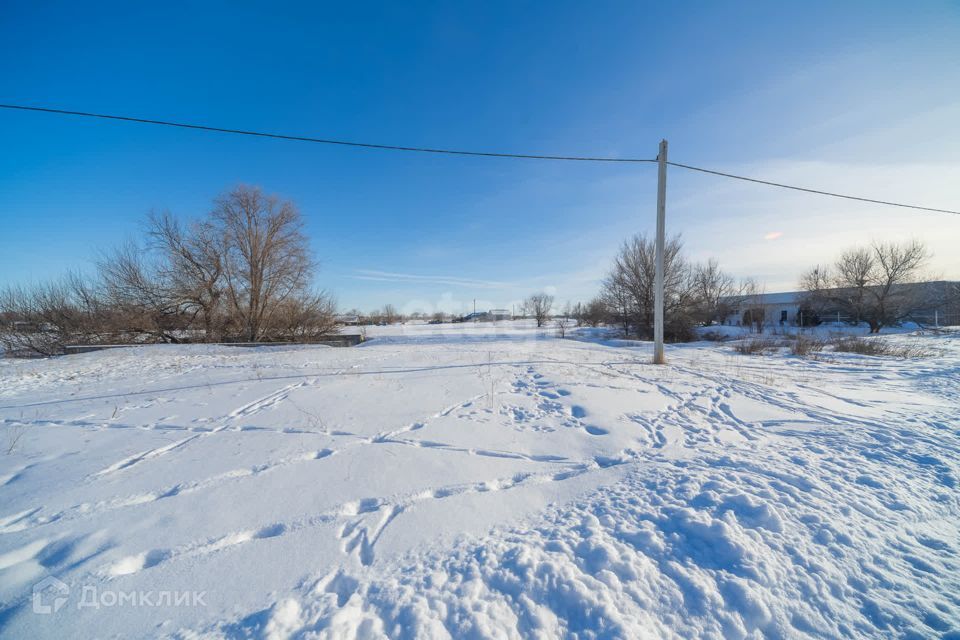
(861, 97)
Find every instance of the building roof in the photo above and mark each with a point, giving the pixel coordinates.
(794, 297)
(783, 297)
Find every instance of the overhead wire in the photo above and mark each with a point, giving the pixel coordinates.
(463, 152)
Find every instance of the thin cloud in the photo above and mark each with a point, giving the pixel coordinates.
(773, 235)
(390, 276)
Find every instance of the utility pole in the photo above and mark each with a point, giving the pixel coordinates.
(661, 224)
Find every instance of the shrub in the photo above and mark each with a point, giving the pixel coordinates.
(754, 318)
(754, 346)
(804, 346)
(714, 336)
(880, 348)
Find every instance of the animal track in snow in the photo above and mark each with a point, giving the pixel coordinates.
(358, 535)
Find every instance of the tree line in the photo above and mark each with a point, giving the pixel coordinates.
(882, 285)
(871, 284)
(243, 272)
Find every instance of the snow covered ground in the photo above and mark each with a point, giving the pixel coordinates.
(480, 481)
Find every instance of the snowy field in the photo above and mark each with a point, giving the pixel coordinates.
(480, 482)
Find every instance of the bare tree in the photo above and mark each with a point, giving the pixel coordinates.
(595, 312)
(538, 305)
(192, 268)
(565, 320)
(714, 292)
(897, 265)
(142, 304)
(265, 256)
(815, 280)
(242, 272)
(852, 273)
(577, 312)
(750, 297)
(43, 319)
(869, 283)
(629, 288)
(389, 314)
(303, 318)
(617, 300)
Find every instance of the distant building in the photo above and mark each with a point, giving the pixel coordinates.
(942, 306)
(487, 316)
(348, 320)
(775, 308)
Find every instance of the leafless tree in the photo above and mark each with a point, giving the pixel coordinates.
(629, 287)
(303, 318)
(140, 301)
(242, 272)
(811, 282)
(869, 283)
(898, 264)
(714, 292)
(44, 318)
(852, 273)
(616, 299)
(192, 268)
(266, 261)
(577, 312)
(565, 320)
(389, 314)
(538, 306)
(595, 312)
(750, 299)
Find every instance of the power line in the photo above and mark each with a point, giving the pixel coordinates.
(345, 143)
(459, 152)
(807, 190)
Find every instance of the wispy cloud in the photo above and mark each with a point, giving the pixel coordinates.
(391, 276)
(773, 235)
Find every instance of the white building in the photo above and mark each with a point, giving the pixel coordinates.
(777, 308)
(941, 307)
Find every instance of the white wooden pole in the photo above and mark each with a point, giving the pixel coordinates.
(658, 285)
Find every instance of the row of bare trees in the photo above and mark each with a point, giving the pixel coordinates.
(875, 284)
(694, 294)
(241, 273)
(872, 284)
